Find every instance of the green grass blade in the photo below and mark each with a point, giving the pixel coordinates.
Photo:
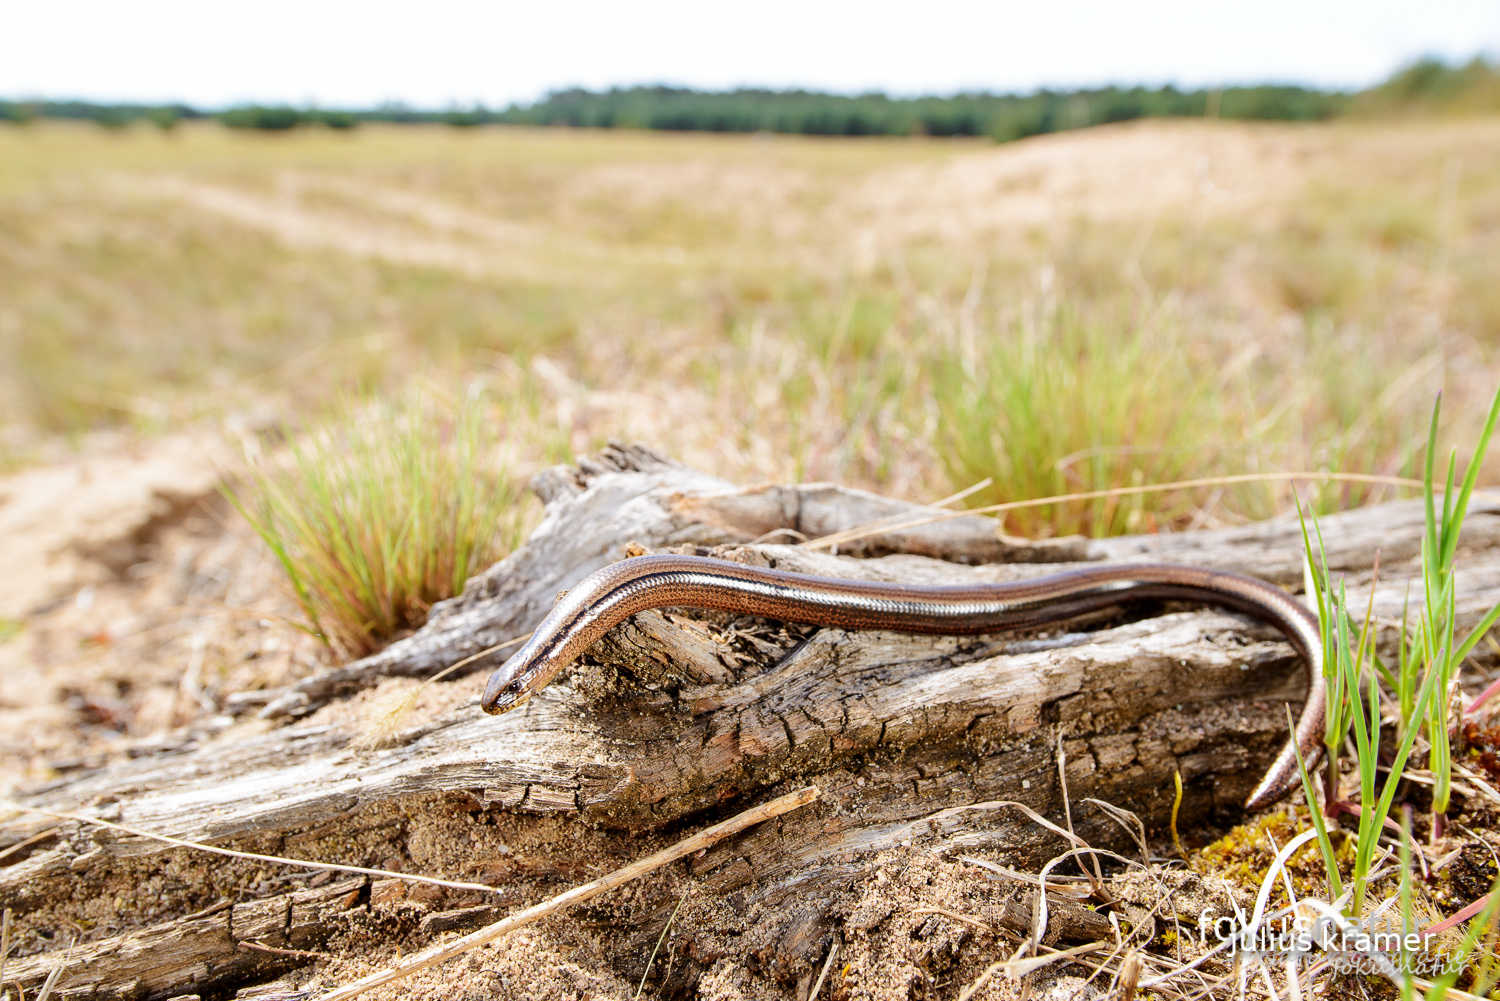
(1471, 476)
(1325, 844)
(1336, 718)
(1406, 650)
(1386, 674)
(1357, 708)
(1446, 524)
(1431, 533)
(1477, 633)
(1366, 847)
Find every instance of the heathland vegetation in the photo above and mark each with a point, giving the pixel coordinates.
(1143, 303)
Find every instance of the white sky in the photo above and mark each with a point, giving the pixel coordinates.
(444, 52)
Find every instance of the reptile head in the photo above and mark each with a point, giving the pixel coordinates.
(505, 690)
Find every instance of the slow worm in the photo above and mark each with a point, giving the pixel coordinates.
(613, 594)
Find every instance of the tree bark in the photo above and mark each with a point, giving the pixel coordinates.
(678, 717)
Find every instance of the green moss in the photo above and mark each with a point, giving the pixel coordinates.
(1245, 854)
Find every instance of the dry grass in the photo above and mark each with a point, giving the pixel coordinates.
(1128, 305)
(1159, 301)
(1074, 312)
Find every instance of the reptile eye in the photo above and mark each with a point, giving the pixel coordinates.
(513, 687)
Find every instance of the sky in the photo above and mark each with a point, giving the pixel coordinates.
(445, 53)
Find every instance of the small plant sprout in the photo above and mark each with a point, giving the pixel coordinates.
(1427, 663)
(1435, 641)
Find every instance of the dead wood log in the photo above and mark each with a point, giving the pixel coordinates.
(678, 716)
(235, 942)
(630, 494)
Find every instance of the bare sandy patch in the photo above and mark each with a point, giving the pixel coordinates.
(73, 523)
(1104, 174)
(749, 187)
(296, 226)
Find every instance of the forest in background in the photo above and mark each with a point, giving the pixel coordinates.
(1428, 84)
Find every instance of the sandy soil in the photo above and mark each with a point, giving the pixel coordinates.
(137, 602)
(77, 522)
(1110, 174)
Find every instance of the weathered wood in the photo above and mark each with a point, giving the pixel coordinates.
(197, 951)
(679, 715)
(629, 494)
(1273, 549)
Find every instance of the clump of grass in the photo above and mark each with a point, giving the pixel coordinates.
(1066, 403)
(1429, 655)
(388, 509)
(1435, 642)
(1428, 661)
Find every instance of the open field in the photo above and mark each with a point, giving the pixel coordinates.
(1117, 306)
(903, 314)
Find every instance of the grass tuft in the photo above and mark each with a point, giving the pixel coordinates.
(388, 509)
(1067, 404)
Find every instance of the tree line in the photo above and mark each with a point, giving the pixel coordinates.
(1427, 84)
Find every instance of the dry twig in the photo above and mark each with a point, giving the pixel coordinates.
(833, 951)
(577, 895)
(916, 520)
